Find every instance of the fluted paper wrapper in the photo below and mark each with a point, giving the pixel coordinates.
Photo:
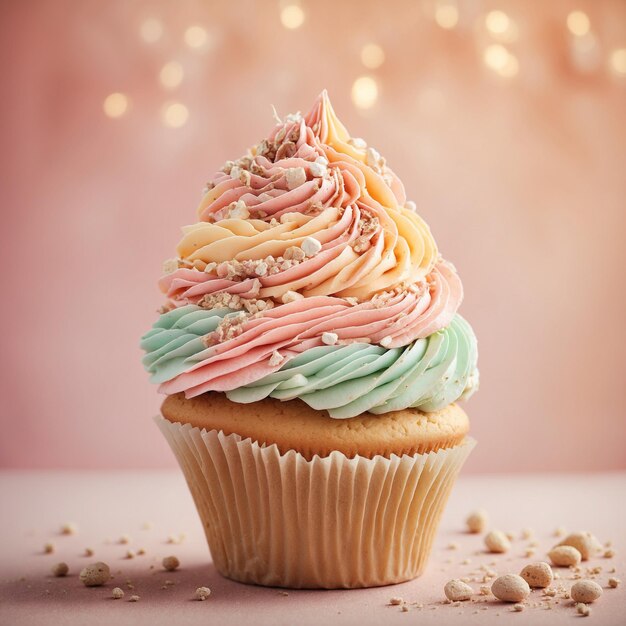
(280, 520)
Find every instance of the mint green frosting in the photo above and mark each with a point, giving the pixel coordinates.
(346, 380)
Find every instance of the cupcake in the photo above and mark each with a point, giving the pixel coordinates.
(312, 355)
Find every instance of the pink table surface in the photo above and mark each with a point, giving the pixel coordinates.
(106, 505)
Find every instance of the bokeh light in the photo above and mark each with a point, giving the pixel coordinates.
(617, 61)
(498, 59)
(578, 23)
(175, 114)
(500, 26)
(115, 105)
(446, 15)
(151, 30)
(372, 56)
(171, 75)
(364, 92)
(196, 36)
(292, 16)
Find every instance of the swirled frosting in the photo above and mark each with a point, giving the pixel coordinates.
(309, 275)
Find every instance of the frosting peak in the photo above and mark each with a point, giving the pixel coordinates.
(304, 243)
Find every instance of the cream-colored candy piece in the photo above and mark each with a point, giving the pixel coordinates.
(261, 269)
(583, 541)
(457, 591)
(310, 246)
(291, 296)
(202, 593)
(510, 588)
(295, 176)
(170, 266)
(69, 528)
(330, 339)
(497, 541)
(564, 556)
(117, 593)
(60, 569)
(95, 574)
(357, 142)
(318, 169)
(538, 575)
(585, 591)
(170, 563)
(477, 521)
(276, 359)
(583, 609)
(238, 211)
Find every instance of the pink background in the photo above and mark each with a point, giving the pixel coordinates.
(521, 180)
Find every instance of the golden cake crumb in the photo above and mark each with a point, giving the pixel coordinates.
(134, 599)
(124, 539)
(395, 601)
(117, 593)
(69, 528)
(457, 591)
(585, 591)
(202, 593)
(614, 582)
(496, 541)
(170, 563)
(565, 556)
(95, 574)
(61, 569)
(510, 588)
(89, 552)
(609, 554)
(538, 575)
(518, 607)
(49, 548)
(583, 609)
(583, 541)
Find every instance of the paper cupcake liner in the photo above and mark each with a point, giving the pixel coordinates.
(332, 522)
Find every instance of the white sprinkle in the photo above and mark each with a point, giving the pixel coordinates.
(170, 266)
(310, 246)
(295, 177)
(322, 160)
(235, 172)
(330, 339)
(291, 296)
(318, 169)
(276, 359)
(385, 342)
(238, 210)
(261, 269)
(357, 142)
(372, 158)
